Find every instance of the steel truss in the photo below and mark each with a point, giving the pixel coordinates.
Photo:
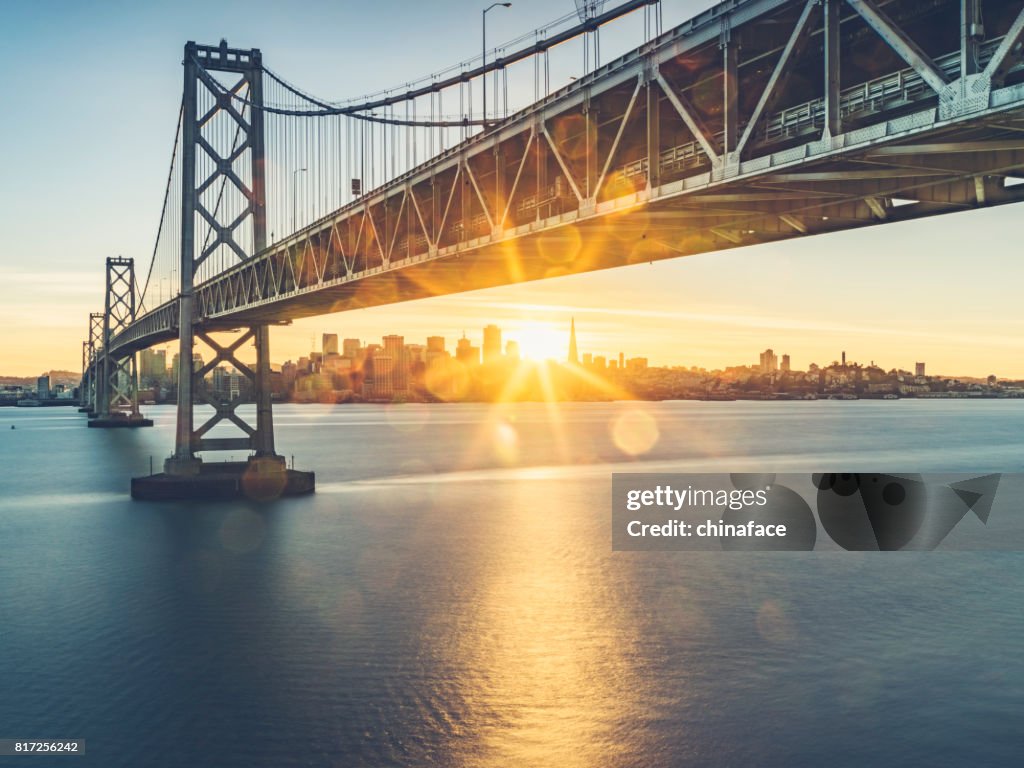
(118, 377)
(758, 120)
(95, 343)
(222, 195)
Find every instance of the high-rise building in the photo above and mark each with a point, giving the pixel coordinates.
(435, 350)
(330, 344)
(574, 357)
(350, 348)
(492, 344)
(197, 363)
(466, 353)
(43, 387)
(415, 353)
(152, 365)
(382, 383)
(289, 372)
(919, 369)
(785, 363)
(220, 381)
(622, 361)
(512, 350)
(769, 361)
(394, 348)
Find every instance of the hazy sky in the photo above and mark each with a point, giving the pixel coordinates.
(91, 94)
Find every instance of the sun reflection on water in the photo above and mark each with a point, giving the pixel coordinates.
(552, 676)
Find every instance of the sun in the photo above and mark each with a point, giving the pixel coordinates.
(540, 341)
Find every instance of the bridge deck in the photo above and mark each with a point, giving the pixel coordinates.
(565, 186)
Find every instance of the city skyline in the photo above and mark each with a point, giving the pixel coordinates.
(892, 292)
(769, 360)
(559, 345)
(394, 370)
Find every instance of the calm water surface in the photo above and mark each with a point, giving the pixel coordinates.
(449, 598)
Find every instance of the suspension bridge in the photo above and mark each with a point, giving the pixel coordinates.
(754, 121)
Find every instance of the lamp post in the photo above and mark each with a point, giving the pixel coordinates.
(483, 57)
(295, 196)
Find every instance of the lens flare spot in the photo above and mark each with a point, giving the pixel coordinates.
(561, 247)
(264, 479)
(635, 432)
(506, 443)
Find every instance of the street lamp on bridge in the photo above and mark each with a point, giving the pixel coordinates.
(484, 56)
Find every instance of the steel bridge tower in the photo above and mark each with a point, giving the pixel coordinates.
(214, 174)
(115, 379)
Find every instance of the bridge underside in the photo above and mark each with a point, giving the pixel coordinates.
(943, 171)
(758, 121)
(955, 172)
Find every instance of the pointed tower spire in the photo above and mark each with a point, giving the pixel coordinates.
(573, 355)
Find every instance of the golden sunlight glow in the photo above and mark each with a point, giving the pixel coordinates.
(541, 341)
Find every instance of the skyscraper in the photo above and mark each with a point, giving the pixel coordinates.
(394, 348)
(350, 348)
(785, 364)
(492, 344)
(919, 369)
(574, 357)
(330, 344)
(435, 350)
(466, 353)
(152, 365)
(769, 361)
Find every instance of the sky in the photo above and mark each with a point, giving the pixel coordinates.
(91, 94)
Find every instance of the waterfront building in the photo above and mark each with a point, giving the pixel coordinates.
(330, 344)
(492, 344)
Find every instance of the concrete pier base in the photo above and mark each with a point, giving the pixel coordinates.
(119, 420)
(260, 479)
(85, 409)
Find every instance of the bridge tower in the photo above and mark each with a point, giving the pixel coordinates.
(94, 344)
(117, 380)
(83, 387)
(223, 221)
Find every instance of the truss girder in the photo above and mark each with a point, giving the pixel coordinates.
(580, 167)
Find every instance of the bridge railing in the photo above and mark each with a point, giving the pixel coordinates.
(891, 91)
(901, 88)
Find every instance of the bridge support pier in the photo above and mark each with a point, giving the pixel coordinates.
(264, 475)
